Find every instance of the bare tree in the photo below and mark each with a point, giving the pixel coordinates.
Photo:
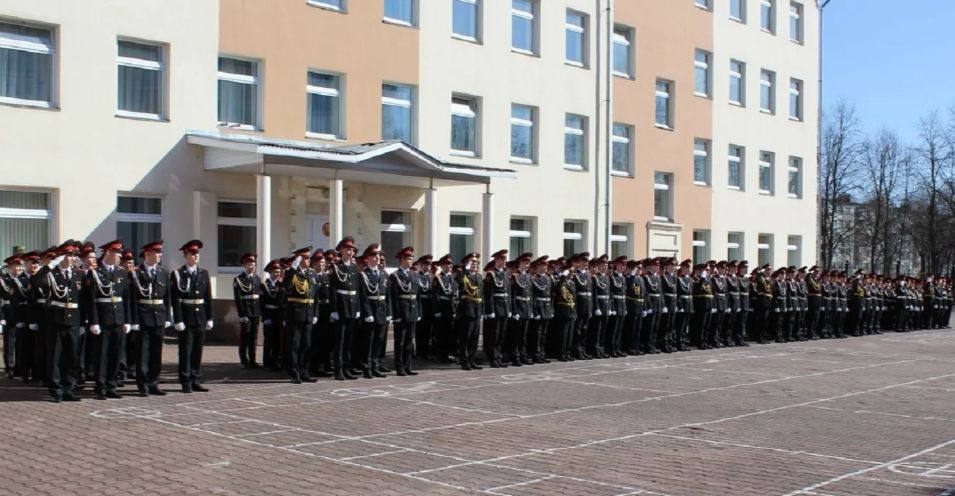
(884, 164)
(935, 153)
(837, 168)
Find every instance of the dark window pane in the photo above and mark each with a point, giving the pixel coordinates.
(234, 241)
(138, 205)
(237, 209)
(137, 234)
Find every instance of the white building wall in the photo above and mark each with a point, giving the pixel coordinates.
(491, 71)
(748, 211)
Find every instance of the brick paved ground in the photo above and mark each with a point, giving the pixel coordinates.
(861, 416)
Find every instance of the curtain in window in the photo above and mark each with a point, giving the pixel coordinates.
(237, 102)
(25, 75)
(323, 114)
(32, 234)
(139, 89)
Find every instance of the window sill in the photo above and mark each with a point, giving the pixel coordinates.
(236, 126)
(464, 153)
(468, 39)
(521, 51)
(19, 102)
(795, 119)
(124, 114)
(794, 197)
(398, 22)
(767, 31)
(763, 192)
(737, 19)
(703, 7)
(701, 183)
(616, 173)
(702, 95)
(522, 161)
(767, 112)
(797, 42)
(735, 188)
(737, 104)
(323, 6)
(579, 65)
(663, 127)
(575, 168)
(623, 75)
(324, 137)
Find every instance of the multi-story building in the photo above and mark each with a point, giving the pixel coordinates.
(450, 125)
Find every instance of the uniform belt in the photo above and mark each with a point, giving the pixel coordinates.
(686, 296)
(151, 302)
(325, 301)
(377, 298)
(346, 292)
(272, 307)
(737, 293)
(472, 298)
(522, 298)
(703, 296)
(408, 297)
(541, 298)
(304, 301)
(618, 297)
(200, 301)
(63, 305)
(4, 302)
(766, 295)
(111, 299)
(41, 300)
(670, 294)
(602, 297)
(583, 293)
(444, 297)
(638, 300)
(250, 297)
(501, 295)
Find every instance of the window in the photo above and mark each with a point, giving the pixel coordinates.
(141, 75)
(794, 251)
(738, 10)
(400, 12)
(701, 161)
(238, 93)
(766, 162)
(735, 167)
(397, 113)
(795, 177)
(574, 237)
(620, 235)
(575, 29)
(25, 220)
(462, 235)
(701, 246)
(575, 142)
(464, 113)
(662, 196)
(236, 232)
(767, 16)
(795, 22)
(523, 26)
(622, 52)
(764, 248)
(737, 82)
(523, 144)
(664, 104)
(521, 236)
(324, 106)
(138, 220)
(465, 21)
(703, 4)
(767, 91)
(734, 246)
(701, 64)
(329, 4)
(395, 230)
(795, 99)
(622, 151)
(26, 65)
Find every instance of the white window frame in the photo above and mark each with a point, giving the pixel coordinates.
(515, 121)
(398, 102)
(243, 79)
(796, 11)
(28, 213)
(701, 243)
(523, 234)
(40, 48)
(770, 86)
(705, 153)
(794, 167)
(401, 22)
(795, 89)
(329, 92)
(771, 5)
(477, 22)
(582, 31)
(741, 76)
(622, 238)
(733, 245)
(622, 37)
(471, 111)
(530, 16)
(741, 18)
(141, 218)
(575, 236)
(328, 5)
(148, 65)
(664, 187)
(233, 221)
(703, 4)
(790, 248)
(582, 132)
(705, 65)
(407, 230)
(740, 161)
(627, 140)
(768, 246)
(763, 164)
(668, 95)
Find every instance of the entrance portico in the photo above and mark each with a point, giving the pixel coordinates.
(375, 168)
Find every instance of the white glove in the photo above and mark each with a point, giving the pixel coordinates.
(728, 310)
(516, 316)
(34, 327)
(679, 310)
(537, 317)
(437, 315)
(777, 309)
(388, 318)
(296, 262)
(167, 325)
(665, 310)
(508, 314)
(650, 312)
(357, 314)
(267, 321)
(180, 326)
(396, 321)
(208, 325)
(713, 311)
(314, 320)
(244, 320)
(598, 313)
(127, 328)
(3, 322)
(136, 327)
(333, 316)
(94, 329)
(643, 313)
(1, 329)
(612, 313)
(490, 315)
(369, 319)
(419, 319)
(20, 325)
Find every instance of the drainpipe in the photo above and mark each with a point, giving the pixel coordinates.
(608, 115)
(597, 105)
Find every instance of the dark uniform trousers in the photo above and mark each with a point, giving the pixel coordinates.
(192, 307)
(468, 330)
(468, 319)
(634, 325)
(149, 344)
(64, 357)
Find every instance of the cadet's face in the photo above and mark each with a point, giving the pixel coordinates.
(275, 273)
(348, 253)
(249, 267)
(151, 258)
(405, 262)
(192, 258)
(524, 265)
(306, 261)
(90, 260)
(113, 257)
(69, 259)
(320, 264)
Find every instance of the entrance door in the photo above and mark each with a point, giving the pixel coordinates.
(316, 230)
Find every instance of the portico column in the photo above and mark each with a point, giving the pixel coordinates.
(336, 206)
(487, 225)
(263, 218)
(431, 221)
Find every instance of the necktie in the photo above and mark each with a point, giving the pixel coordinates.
(69, 274)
